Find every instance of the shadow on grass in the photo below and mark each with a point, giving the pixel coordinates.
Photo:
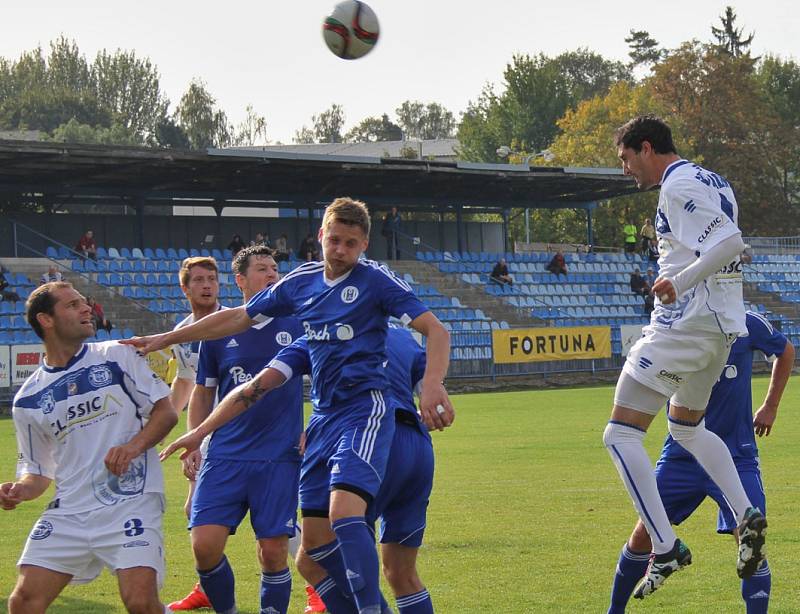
(68, 605)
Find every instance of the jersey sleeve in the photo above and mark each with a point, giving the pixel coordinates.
(34, 447)
(699, 216)
(207, 365)
(143, 386)
(418, 366)
(271, 302)
(764, 337)
(396, 296)
(293, 360)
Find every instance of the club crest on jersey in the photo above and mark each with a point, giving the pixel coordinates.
(41, 530)
(283, 338)
(99, 376)
(110, 489)
(47, 402)
(349, 294)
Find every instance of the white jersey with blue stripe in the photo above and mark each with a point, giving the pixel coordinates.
(187, 354)
(697, 210)
(729, 413)
(68, 418)
(345, 322)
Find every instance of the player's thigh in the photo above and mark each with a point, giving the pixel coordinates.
(138, 588)
(400, 568)
(220, 496)
(272, 498)
(682, 486)
(316, 532)
(695, 389)
(635, 403)
(750, 475)
(36, 588)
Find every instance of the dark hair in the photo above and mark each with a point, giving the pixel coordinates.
(42, 300)
(648, 128)
(242, 258)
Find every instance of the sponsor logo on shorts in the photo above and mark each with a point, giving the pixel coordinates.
(670, 377)
(136, 543)
(99, 376)
(349, 294)
(41, 530)
(47, 402)
(335, 468)
(645, 363)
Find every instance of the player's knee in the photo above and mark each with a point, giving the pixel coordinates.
(142, 602)
(273, 555)
(24, 601)
(684, 431)
(206, 554)
(403, 579)
(616, 433)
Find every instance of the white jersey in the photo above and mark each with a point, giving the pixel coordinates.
(188, 354)
(696, 210)
(68, 418)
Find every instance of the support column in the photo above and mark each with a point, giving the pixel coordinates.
(459, 229)
(589, 231)
(139, 205)
(218, 207)
(506, 241)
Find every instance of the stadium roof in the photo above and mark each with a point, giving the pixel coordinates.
(436, 149)
(301, 180)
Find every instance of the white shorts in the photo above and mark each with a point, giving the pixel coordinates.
(679, 365)
(120, 536)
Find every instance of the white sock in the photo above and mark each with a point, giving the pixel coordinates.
(713, 456)
(624, 443)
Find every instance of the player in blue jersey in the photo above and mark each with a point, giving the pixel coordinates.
(253, 463)
(402, 499)
(88, 419)
(343, 304)
(683, 484)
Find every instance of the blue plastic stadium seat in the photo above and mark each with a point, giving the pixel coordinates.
(194, 252)
(51, 252)
(174, 254)
(149, 253)
(102, 253)
(160, 254)
(64, 253)
(137, 253)
(217, 254)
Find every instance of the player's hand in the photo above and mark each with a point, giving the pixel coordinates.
(665, 290)
(11, 495)
(189, 442)
(119, 458)
(145, 345)
(434, 406)
(763, 420)
(191, 464)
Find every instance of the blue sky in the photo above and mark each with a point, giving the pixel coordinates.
(270, 54)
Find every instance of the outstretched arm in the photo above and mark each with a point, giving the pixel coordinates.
(434, 403)
(29, 486)
(764, 418)
(236, 402)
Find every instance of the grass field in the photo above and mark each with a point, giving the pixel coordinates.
(527, 515)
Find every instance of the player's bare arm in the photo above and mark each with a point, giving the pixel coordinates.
(434, 403)
(764, 418)
(181, 392)
(238, 400)
(28, 487)
(163, 418)
(215, 325)
(201, 404)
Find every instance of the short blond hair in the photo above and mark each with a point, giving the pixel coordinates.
(347, 211)
(206, 262)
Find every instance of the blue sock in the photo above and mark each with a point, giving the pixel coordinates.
(336, 602)
(416, 603)
(218, 585)
(631, 567)
(276, 588)
(755, 590)
(357, 545)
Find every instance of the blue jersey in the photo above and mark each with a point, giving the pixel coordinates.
(270, 429)
(730, 409)
(345, 322)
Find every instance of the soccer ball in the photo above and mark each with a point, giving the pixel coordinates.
(351, 30)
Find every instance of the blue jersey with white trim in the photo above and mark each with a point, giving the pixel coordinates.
(67, 418)
(730, 409)
(404, 370)
(270, 429)
(345, 322)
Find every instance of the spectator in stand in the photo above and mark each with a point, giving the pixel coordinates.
(652, 251)
(647, 234)
(52, 274)
(651, 277)
(558, 266)
(98, 315)
(5, 293)
(639, 285)
(260, 239)
(391, 226)
(500, 274)
(236, 245)
(309, 250)
(282, 250)
(630, 231)
(87, 247)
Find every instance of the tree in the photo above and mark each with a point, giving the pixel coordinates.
(327, 127)
(252, 130)
(75, 132)
(644, 49)
(304, 136)
(420, 121)
(729, 38)
(197, 114)
(374, 129)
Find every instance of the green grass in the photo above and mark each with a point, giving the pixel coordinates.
(528, 515)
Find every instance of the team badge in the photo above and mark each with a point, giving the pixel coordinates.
(99, 376)
(283, 338)
(41, 530)
(349, 294)
(47, 402)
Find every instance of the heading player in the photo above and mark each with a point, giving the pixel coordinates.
(682, 483)
(80, 421)
(699, 312)
(343, 304)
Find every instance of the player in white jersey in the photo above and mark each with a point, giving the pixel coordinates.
(88, 419)
(699, 313)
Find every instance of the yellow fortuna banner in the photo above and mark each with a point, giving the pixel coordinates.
(541, 344)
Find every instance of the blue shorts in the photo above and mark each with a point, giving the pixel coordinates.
(227, 489)
(402, 501)
(347, 450)
(683, 484)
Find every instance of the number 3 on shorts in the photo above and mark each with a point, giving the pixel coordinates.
(133, 527)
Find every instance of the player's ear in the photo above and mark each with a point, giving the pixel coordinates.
(320, 233)
(45, 320)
